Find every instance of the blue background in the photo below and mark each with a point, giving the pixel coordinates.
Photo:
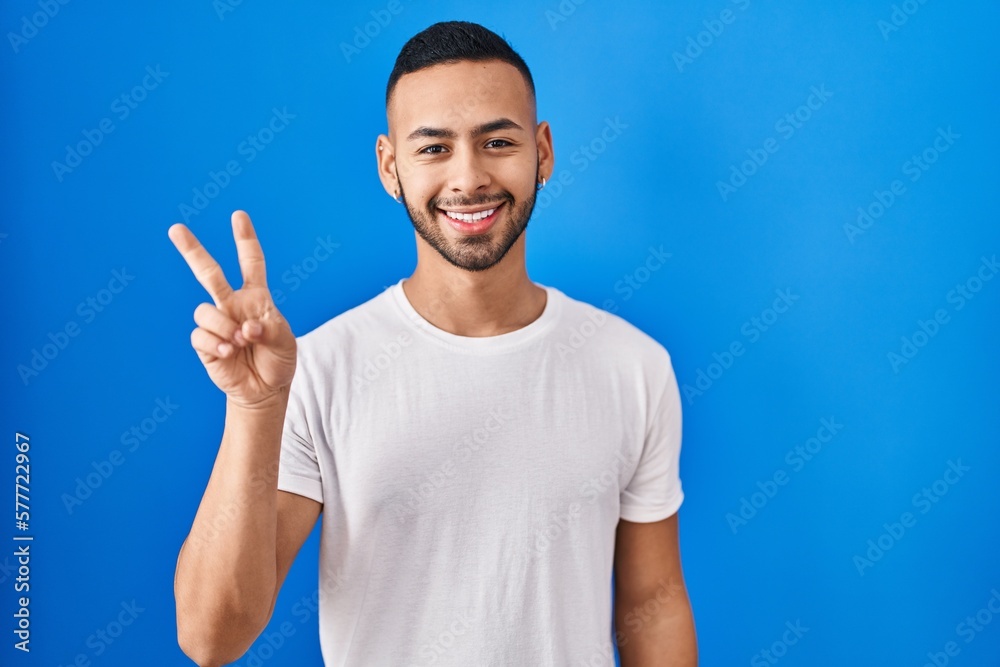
(689, 123)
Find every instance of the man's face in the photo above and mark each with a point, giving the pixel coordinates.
(464, 142)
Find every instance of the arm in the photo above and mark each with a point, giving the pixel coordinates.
(242, 543)
(653, 619)
(246, 533)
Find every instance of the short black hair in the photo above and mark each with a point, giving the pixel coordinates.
(451, 42)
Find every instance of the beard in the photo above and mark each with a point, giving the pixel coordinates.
(476, 252)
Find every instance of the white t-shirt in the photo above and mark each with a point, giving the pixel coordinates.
(471, 487)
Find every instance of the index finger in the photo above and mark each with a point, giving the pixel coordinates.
(248, 249)
(205, 268)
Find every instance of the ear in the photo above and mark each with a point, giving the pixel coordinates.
(385, 159)
(546, 154)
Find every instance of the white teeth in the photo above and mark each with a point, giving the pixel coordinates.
(470, 217)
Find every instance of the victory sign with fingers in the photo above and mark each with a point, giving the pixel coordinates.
(245, 344)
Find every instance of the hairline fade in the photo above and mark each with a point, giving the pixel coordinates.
(449, 42)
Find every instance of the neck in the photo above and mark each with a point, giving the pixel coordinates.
(496, 301)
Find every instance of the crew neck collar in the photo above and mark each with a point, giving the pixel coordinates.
(482, 344)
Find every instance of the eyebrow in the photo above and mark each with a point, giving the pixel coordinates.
(479, 130)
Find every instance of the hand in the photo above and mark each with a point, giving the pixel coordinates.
(245, 344)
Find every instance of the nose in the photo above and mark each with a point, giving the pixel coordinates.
(468, 176)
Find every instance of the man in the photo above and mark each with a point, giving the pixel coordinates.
(485, 450)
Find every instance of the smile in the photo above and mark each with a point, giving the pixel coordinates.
(470, 217)
(472, 222)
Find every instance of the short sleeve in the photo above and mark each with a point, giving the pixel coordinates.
(298, 466)
(654, 492)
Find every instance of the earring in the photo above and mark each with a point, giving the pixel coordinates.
(399, 200)
(540, 185)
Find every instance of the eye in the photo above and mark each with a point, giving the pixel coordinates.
(425, 150)
(502, 141)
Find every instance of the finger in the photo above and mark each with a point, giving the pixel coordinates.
(249, 251)
(207, 343)
(205, 268)
(215, 321)
(265, 329)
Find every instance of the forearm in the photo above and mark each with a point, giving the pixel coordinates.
(226, 570)
(657, 630)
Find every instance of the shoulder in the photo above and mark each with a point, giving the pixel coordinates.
(608, 335)
(345, 332)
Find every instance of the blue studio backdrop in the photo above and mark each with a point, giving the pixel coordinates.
(791, 197)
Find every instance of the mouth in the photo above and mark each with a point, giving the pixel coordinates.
(473, 222)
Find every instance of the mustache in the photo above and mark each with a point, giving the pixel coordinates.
(435, 204)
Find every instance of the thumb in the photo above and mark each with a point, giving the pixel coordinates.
(265, 330)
